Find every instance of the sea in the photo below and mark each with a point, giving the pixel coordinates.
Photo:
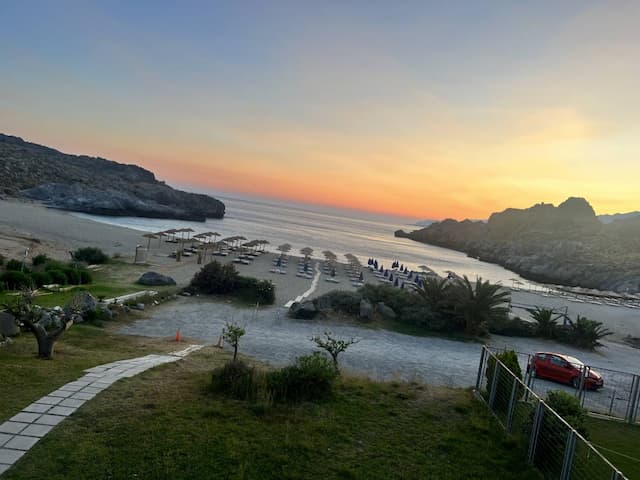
(363, 234)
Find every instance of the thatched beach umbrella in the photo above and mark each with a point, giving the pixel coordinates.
(159, 235)
(306, 251)
(149, 236)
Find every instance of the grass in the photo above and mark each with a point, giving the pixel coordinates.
(112, 280)
(165, 423)
(25, 378)
(619, 442)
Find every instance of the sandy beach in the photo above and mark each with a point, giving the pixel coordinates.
(55, 232)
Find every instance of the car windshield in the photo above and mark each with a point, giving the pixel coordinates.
(574, 361)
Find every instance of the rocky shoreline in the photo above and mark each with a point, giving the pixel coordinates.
(94, 185)
(564, 245)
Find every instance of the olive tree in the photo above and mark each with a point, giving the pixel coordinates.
(332, 345)
(232, 334)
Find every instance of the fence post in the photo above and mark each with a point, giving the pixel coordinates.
(483, 354)
(581, 388)
(569, 450)
(513, 400)
(634, 399)
(535, 430)
(494, 385)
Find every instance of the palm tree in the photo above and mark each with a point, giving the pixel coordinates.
(435, 292)
(546, 321)
(478, 304)
(585, 333)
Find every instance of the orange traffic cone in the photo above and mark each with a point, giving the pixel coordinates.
(177, 335)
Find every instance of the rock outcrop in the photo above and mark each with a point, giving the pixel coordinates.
(94, 185)
(565, 245)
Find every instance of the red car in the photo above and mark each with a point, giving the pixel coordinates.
(563, 369)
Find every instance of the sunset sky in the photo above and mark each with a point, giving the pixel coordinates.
(415, 108)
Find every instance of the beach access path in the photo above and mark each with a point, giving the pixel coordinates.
(25, 429)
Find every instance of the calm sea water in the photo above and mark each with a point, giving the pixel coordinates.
(362, 234)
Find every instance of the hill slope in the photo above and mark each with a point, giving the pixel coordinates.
(566, 244)
(94, 185)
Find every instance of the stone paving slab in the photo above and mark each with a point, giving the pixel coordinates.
(12, 427)
(25, 429)
(21, 442)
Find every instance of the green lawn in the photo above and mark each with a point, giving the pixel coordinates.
(25, 378)
(165, 423)
(619, 442)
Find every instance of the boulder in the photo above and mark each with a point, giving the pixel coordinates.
(81, 302)
(303, 310)
(8, 325)
(154, 279)
(386, 311)
(366, 309)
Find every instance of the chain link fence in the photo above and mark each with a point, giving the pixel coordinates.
(549, 442)
(618, 398)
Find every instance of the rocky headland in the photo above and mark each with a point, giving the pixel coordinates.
(565, 245)
(94, 185)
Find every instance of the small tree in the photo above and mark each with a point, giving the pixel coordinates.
(232, 334)
(25, 313)
(546, 321)
(334, 346)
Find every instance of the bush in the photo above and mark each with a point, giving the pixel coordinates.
(512, 327)
(85, 276)
(237, 380)
(569, 408)
(253, 290)
(39, 260)
(340, 301)
(41, 278)
(16, 280)
(505, 380)
(96, 316)
(215, 278)
(90, 255)
(58, 277)
(311, 377)
(16, 266)
(73, 276)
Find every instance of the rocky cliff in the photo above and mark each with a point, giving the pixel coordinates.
(566, 244)
(94, 185)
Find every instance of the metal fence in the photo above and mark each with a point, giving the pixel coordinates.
(549, 442)
(619, 398)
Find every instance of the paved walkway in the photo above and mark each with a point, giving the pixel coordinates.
(24, 430)
(314, 285)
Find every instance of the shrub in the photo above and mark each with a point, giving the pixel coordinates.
(311, 377)
(90, 255)
(215, 278)
(395, 298)
(553, 432)
(256, 291)
(237, 380)
(96, 316)
(73, 276)
(512, 327)
(39, 260)
(340, 301)
(16, 266)
(57, 276)
(504, 384)
(85, 276)
(16, 280)
(41, 278)
(569, 408)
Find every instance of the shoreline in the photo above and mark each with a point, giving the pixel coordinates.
(54, 232)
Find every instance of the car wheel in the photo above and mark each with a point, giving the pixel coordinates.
(575, 382)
